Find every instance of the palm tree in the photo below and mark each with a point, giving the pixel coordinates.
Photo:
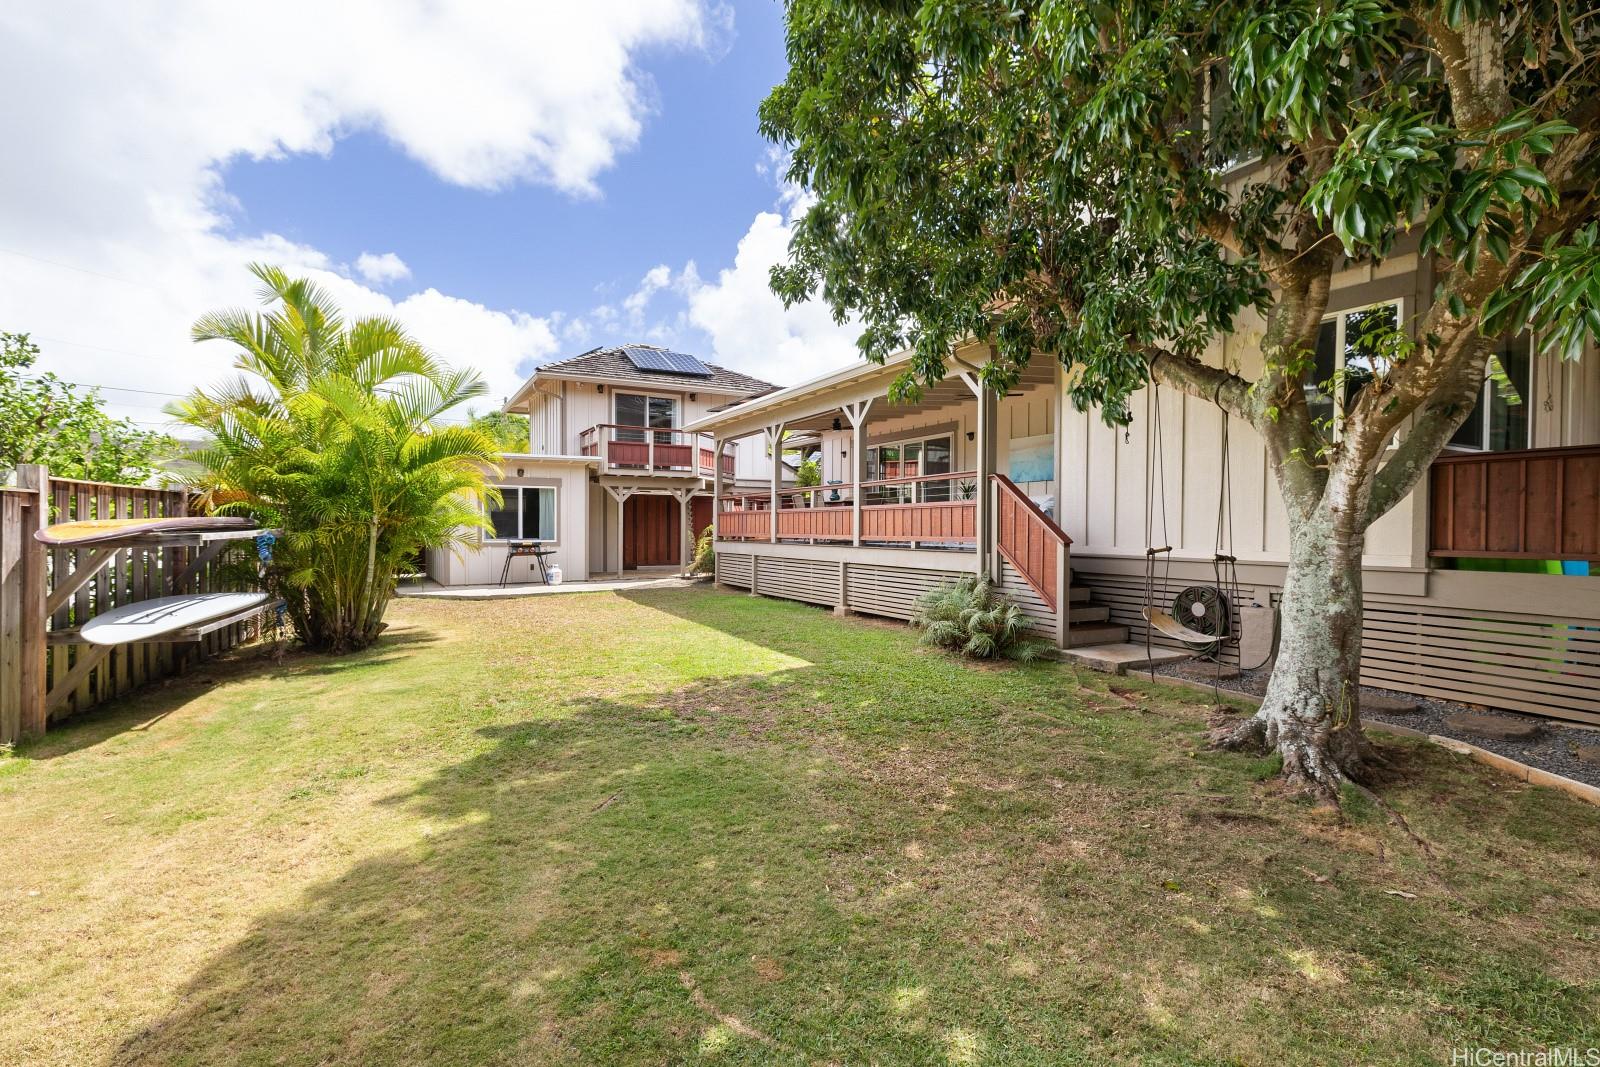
(341, 450)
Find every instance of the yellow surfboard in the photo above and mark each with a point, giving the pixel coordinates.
(96, 531)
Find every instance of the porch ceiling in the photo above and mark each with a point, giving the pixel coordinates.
(952, 392)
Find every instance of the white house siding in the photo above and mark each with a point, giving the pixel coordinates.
(481, 565)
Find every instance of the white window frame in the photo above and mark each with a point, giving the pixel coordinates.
(1339, 318)
(676, 401)
(952, 435)
(555, 514)
(1485, 404)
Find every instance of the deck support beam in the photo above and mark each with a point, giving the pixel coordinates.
(856, 415)
(620, 493)
(685, 527)
(717, 446)
(984, 496)
(774, 435)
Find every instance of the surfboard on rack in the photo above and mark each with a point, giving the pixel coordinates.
(157, 619)
(98, 531)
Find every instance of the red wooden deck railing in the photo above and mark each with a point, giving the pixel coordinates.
(1541, 503)
(1029, 539)
(932, 508)
(656, 451)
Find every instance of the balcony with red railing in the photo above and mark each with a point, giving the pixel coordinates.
(636, 450)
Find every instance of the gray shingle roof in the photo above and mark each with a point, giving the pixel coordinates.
(612, 362)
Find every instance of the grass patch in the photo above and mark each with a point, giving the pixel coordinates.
(681, 826)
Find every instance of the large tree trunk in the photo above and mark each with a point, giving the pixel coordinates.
(1311, 714)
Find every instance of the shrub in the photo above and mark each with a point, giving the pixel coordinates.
(970, 617)
(705, 558)
(330, 434)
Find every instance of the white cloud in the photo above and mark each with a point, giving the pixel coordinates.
(656, 279)
(749, 328)
(381, 270)
(123, 116)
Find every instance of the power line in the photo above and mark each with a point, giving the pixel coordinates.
(80, 270)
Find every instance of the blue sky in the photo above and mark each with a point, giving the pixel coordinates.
(687, 191)
(533, 180)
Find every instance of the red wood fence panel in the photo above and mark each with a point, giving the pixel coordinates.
(954, 521)
(1539, 503)
(817, 524)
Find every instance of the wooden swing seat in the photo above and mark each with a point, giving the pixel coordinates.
(1171, 627)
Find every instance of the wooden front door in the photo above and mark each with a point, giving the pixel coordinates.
(649, 531)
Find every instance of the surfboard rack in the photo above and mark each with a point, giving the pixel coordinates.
(102, 552)
(180, 636)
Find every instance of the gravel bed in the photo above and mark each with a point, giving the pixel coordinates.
(1554, 749)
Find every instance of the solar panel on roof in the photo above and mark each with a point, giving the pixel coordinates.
(662, 361)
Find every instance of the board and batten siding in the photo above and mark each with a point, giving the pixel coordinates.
(1030, 413)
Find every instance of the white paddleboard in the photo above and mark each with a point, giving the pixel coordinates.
(148, 620)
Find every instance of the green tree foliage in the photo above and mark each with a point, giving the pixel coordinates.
(46, 420)
(330, 432)
(509, 431)
(1118, 184)
(971, 617)
(705, 554)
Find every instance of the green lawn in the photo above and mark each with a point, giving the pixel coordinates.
(692, 826)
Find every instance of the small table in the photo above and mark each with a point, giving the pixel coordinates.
(539, 552)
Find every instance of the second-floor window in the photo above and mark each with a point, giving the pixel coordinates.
(638, 409)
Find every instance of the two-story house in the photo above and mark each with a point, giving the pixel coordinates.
(610, 480)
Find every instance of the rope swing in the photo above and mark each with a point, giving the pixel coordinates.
(1224, 565)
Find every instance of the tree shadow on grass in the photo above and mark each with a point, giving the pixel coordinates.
(140, 709)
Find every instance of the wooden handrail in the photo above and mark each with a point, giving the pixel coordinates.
(915, 478)
(644, 430)
(1031, 542)
(1008, 485)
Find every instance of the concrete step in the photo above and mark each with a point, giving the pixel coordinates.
(1121, 656)
(1079, 613)
(1095, 633)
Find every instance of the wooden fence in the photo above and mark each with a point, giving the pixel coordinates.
(1536, 504)
(44, 676)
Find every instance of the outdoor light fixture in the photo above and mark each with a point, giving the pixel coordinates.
(519, 472)
(971, 434)
(836, 426)
(599, 388)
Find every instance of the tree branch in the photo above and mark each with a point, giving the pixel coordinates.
(1435, 425)
(1221, 387)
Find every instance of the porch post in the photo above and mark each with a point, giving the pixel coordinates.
(857, 415)
(775, 443)
(716, 488)
(620, 494)
(984, 497)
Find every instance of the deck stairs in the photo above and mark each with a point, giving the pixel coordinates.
(1094, 641)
